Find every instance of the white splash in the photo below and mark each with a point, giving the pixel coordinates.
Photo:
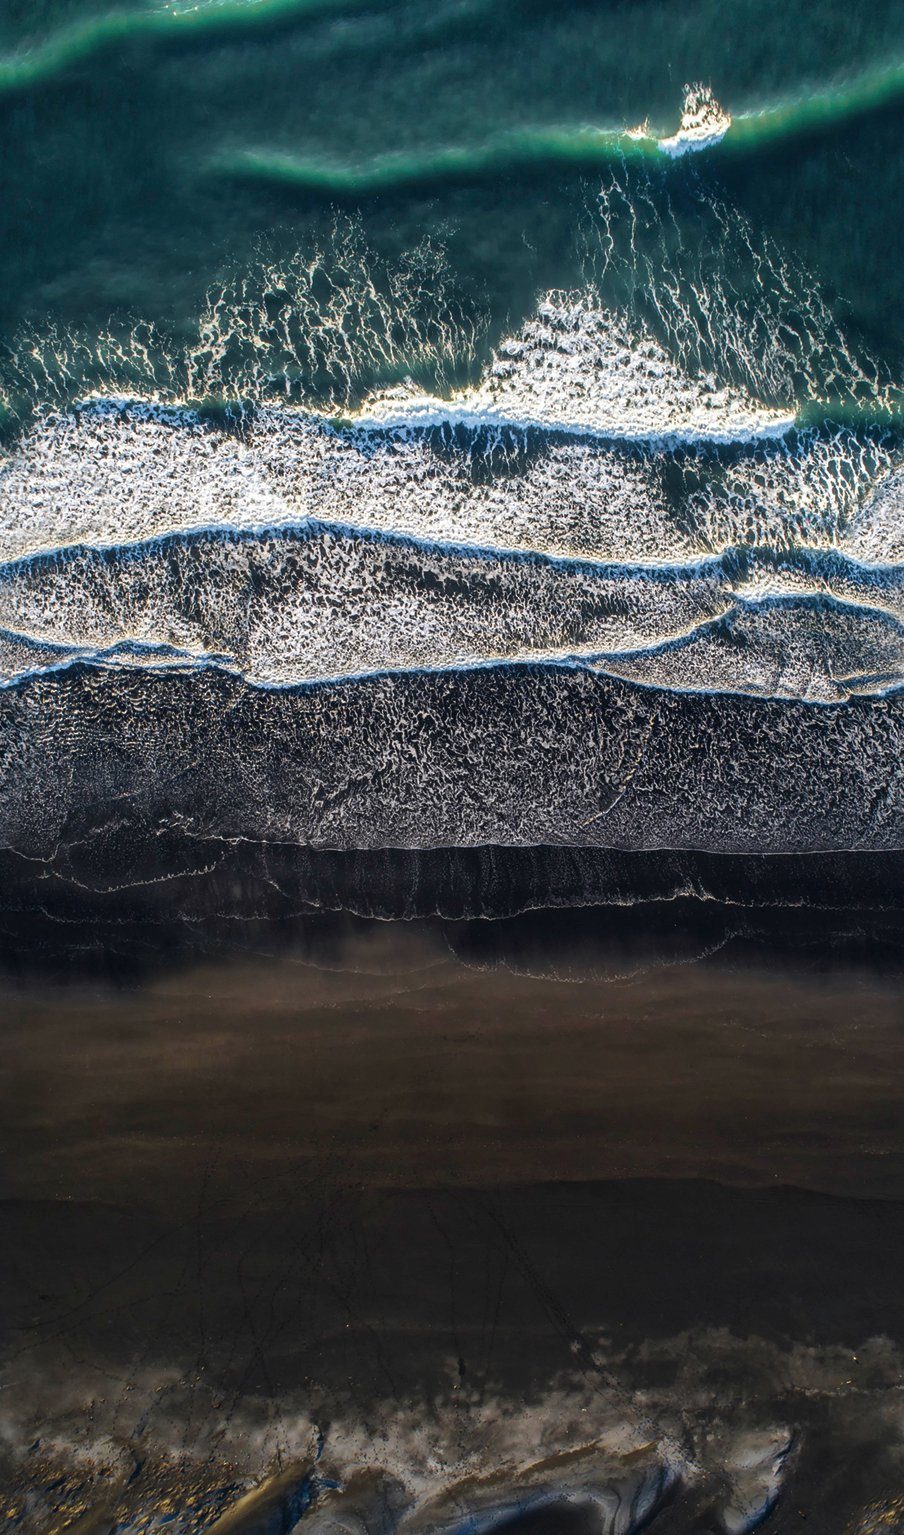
(703, 123)
(580, 368)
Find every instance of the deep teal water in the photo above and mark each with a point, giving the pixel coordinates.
(149, 149)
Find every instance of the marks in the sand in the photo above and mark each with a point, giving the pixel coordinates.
(591, 1490)
(274, 1507)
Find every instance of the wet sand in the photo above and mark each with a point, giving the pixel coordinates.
(442, 1210)
(409, 1066)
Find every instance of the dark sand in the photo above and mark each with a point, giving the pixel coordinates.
(412, 1186)
(405, 1067)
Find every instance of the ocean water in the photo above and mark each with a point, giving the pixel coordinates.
(451, 724)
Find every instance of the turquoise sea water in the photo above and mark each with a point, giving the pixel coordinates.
(148, 149)
(410, 352)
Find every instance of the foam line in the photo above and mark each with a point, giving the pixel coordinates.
(580, 147)
(736, 564)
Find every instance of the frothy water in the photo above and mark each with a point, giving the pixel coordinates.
(590, 545)
(319, 325)
(321, 602)
(578, 369)
(703, 123)
(514, 754)
(724, 299)
(296, 550)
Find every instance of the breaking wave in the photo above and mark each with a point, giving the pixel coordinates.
(705, 125)
(606, 594)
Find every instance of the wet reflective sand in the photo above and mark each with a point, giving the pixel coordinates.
(402, 1199)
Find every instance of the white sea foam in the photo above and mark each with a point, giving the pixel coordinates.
(875, 528)
(703, 123)
(830, 490)
(403, 550)
(325, 603)
(586, 440)
(579, 368)
(117, 470)
(722, 297)
(821, 654)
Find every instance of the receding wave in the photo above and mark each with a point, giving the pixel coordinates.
(324, 603)
(512, 754)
